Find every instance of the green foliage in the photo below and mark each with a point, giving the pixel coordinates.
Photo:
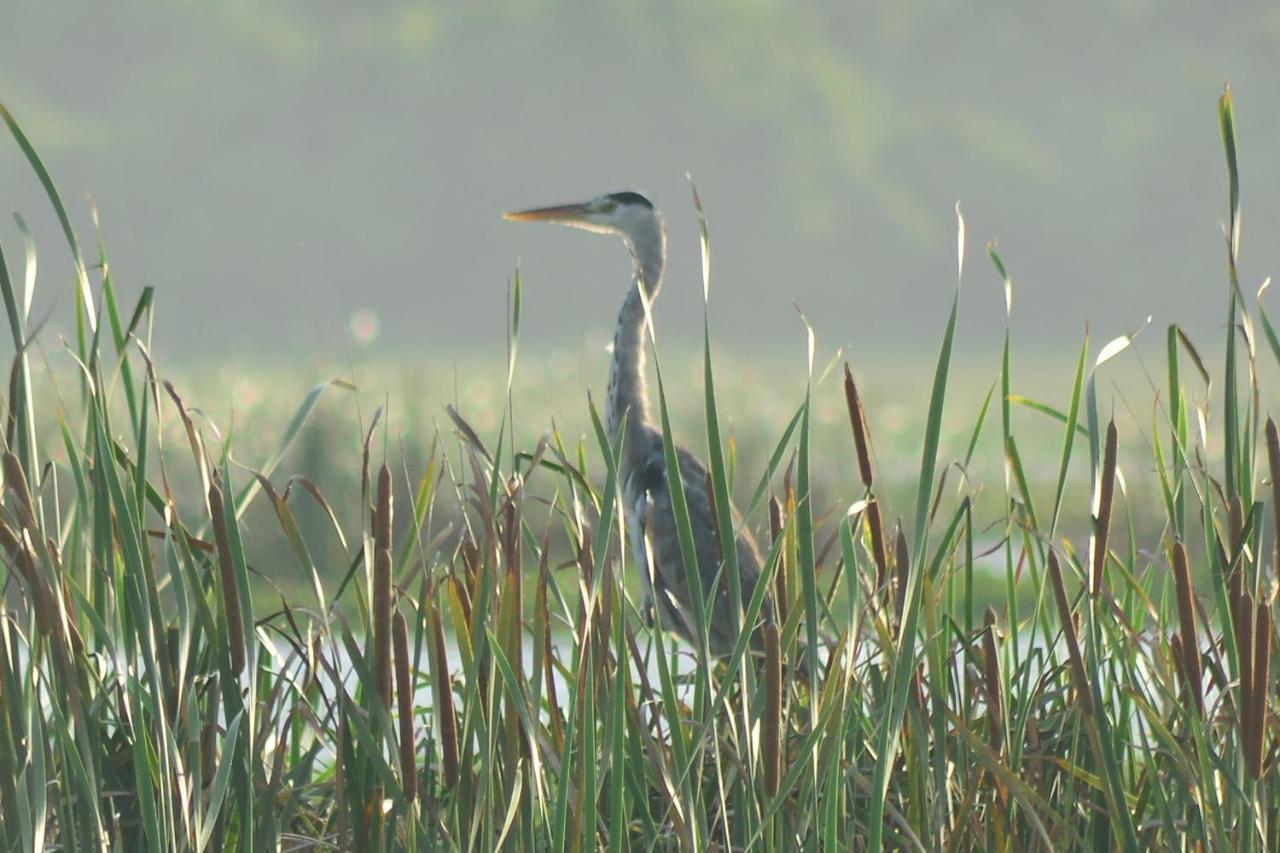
(154, 696)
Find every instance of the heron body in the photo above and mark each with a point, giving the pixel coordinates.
(647, 508)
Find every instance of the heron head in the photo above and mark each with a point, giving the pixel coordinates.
(627, 214)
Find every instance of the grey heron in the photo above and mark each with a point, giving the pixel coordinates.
(651, 524)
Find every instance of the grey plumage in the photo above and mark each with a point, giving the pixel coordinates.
(651, 524)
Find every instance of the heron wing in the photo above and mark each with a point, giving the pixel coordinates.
(659, 537)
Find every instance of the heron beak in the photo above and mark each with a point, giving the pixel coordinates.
(558, 213)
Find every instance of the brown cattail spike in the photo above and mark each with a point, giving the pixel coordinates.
(991, 662)
(442, 685)
(1179, 658)
(404, 707)
(16, 481)
(42, 600)
(858, 421)
(1190, 642)
(902, 568)
(1102, 520)
(1078, 674)
(227, 575)
(771, 726)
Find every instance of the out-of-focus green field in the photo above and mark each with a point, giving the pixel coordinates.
(756, 396)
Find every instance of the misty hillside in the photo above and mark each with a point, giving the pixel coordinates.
(273, 170)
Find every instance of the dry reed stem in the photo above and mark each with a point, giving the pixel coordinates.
(858, 422)
(1081, 679)
(1102, 521)
(771, 726)
(1190, 644)
(902, 567)
(227, 575)
(404, 707)
(382, 594)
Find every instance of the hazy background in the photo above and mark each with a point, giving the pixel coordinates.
(272, 168)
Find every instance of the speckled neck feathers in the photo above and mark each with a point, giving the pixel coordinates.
(628, 394)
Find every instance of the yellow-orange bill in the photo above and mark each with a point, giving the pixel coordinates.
(560, 211)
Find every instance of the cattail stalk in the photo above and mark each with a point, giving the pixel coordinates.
(1190, 642)
(1102, 520)
(227, 574)
(1078, 674)
(404, 707)
(382, 598)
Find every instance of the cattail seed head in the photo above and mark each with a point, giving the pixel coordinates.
(902, 567)
(771, 726)
(16, 482)
(404, 707)
(858, 422)
(442, 686)
(1190, 643)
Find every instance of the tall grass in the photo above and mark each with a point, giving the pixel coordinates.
(494, 686)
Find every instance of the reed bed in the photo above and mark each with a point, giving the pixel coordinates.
(494, 685)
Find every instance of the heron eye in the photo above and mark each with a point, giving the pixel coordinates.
(609, 207)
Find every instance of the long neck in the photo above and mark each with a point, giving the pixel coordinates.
(628, 396)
